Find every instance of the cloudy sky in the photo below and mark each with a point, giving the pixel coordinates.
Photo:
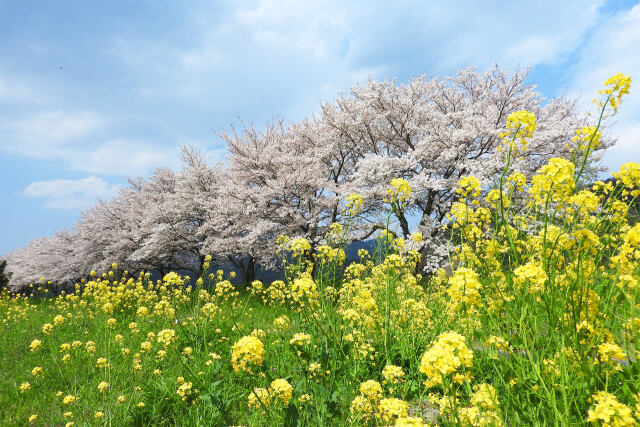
(94, 92)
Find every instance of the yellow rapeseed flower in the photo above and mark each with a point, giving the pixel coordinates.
(392, 408)
(587, 137)
(445, 356)
(166, 337)
(299, 246)
(282, 389)
(615, 87)
(35, 345)
(399, 192)
(520, 125)
(300, 338)
(258, 397)
(531, 274)
(392, 374)
(629, 175)
(184, 390)
(354, 203)
(246, 352)
(410, 422)
(553, 181)
(468, 186)
(371, 390)
(609, 411)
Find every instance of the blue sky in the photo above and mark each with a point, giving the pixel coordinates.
(94, 92)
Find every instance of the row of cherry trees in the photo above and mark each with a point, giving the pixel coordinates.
(293, 179)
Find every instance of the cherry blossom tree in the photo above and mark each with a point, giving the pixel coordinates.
(292, 179)
(167, 228)
(112, 231)
(277, 188)
(432, 132)
(55, 258)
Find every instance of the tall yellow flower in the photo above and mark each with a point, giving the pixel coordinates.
(629, 175)
(615, 87)
(166, 337)
(554, 181)
(391, 409)
(609, 411)
(468, 186)
(35, 345)
(69, 399)
(444, 357)
(282, 389)
(258, 397)
(531, 274)
(354, 203)
(587, 137)
(246, 352)
(520, 126)
(399, 192)
(299, 246)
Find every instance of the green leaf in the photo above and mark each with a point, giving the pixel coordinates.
(291, 416)
(206, 398)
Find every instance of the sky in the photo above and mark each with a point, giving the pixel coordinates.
(94, 92)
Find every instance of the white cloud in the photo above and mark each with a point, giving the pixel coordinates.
(124, 157)
(78, 141)
(48, 134)
(71, 194)
(22, 91)
(437, 38)
(14, 90)
(49, 130)
(268, 58)
(612, 49)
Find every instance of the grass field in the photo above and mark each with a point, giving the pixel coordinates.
(536, 323)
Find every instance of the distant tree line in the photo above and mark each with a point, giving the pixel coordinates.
(293, 179)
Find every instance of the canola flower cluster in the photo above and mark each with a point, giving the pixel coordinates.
(354, 204)
(616, 87)
(399, 192)
(519, 126)
(247, 352)
(446, 356)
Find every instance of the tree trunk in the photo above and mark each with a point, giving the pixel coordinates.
(404, 224)
(251, 270)
(248, 271)
(201, 258)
